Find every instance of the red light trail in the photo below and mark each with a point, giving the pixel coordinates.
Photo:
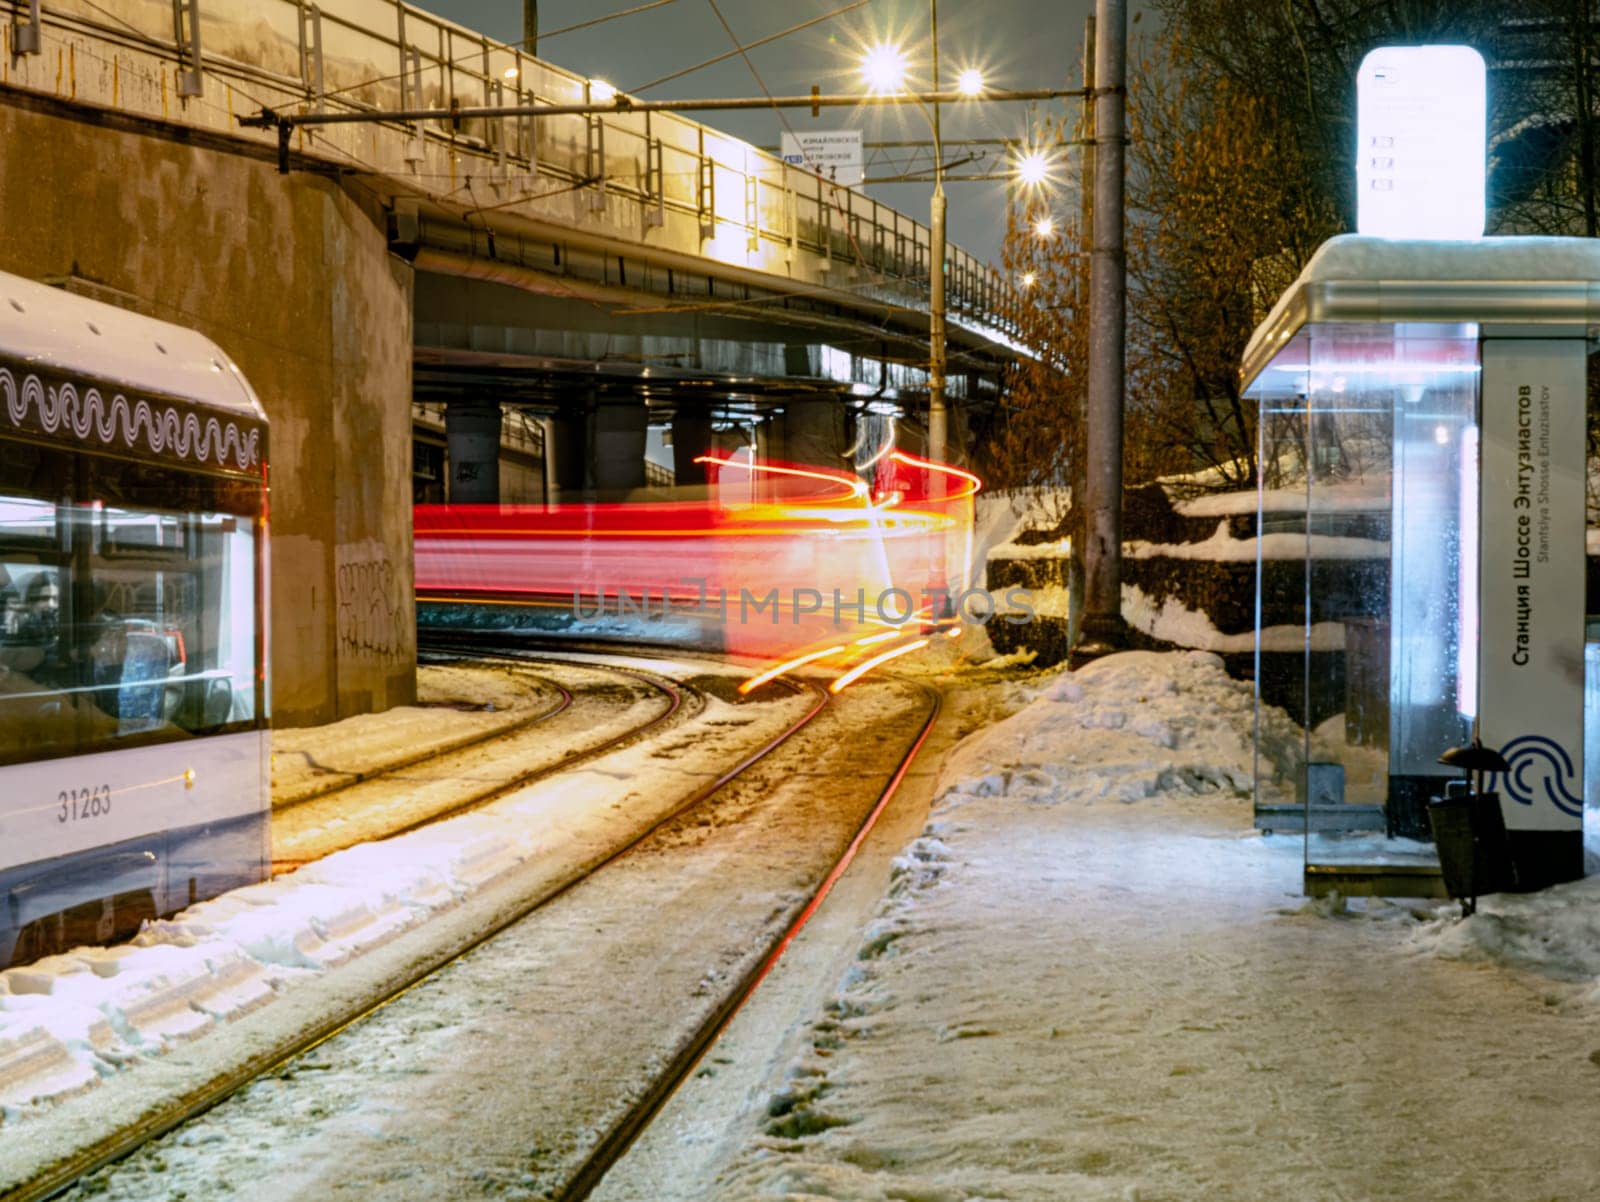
(781, 561)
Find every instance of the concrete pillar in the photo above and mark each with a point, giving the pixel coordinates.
(342, 576)
(814, 432)
(472, 435)
(691, 438)
(566, 453)
(620, 428)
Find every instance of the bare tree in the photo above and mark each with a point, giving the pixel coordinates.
(1213, 237)
(1033, 441)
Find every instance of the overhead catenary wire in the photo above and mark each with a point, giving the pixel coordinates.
(601, 20)
(773, 37)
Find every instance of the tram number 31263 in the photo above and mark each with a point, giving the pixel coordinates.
(77, 804)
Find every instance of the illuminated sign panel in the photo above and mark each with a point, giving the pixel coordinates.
(834, 154)
(1531, 579)
(1420, 142)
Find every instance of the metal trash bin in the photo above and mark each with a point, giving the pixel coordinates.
(1469, 831)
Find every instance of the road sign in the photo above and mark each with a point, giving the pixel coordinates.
(834, 154)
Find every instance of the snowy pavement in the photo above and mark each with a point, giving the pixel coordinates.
(1090, 979)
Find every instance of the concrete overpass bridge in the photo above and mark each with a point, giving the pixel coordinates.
(615, 279)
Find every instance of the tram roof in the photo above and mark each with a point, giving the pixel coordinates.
(54, 328)
(1351, 278)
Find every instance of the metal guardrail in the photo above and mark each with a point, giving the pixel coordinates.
(379, 55)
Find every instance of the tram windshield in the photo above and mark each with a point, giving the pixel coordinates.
(128, 604)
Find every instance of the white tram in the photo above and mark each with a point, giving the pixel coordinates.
(134, 772)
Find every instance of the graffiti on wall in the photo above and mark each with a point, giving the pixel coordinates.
(372, 612)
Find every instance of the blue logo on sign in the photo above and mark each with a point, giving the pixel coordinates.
(1541, 769)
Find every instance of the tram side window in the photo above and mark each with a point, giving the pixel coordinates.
(120, 623)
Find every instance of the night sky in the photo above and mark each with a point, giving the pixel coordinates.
(1017, 43)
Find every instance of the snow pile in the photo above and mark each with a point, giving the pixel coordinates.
(68, 1020)
(1174, 622)
(1554, 933)
(1222, 547)
(973, 990)
(1125, 728)
(1369, 494)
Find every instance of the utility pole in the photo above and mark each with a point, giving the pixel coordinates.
(530, 27)
(938, 421)
(1103, 629)
(1077, 526)
(937, 429)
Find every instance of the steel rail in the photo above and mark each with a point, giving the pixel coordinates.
(616, 1141)
(193, 1103)
(351, 779)
(500, 788)
(576, 756)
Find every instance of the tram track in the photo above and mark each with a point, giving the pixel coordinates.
(620, 1136)
(444, 765)
(188, 1105)
(575, 1068)
(346, 779)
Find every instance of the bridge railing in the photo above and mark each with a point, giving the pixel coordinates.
(629, 171)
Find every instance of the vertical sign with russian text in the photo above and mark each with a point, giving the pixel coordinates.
(1531, 577)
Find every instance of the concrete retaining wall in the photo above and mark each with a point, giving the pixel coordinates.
(292, 277)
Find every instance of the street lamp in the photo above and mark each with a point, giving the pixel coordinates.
(1033, 168)
(884, 68)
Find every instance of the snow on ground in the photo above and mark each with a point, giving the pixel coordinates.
(999, 517)
(1222, 547)
(1368, 494)
(1091, 979)
(70, 1021)
(1174, 622)
(455, 704)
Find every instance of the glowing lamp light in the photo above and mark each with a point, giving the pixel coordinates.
(1467, 580)
(970, 82)
(600, 92)
(1029, 279)
(1033, 169)
(861, 669)
(1045, 227)
(755, 682)
(511, 73)
(884, 68)
(1421, 121)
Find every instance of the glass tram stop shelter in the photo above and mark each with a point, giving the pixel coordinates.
(1421, 549)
